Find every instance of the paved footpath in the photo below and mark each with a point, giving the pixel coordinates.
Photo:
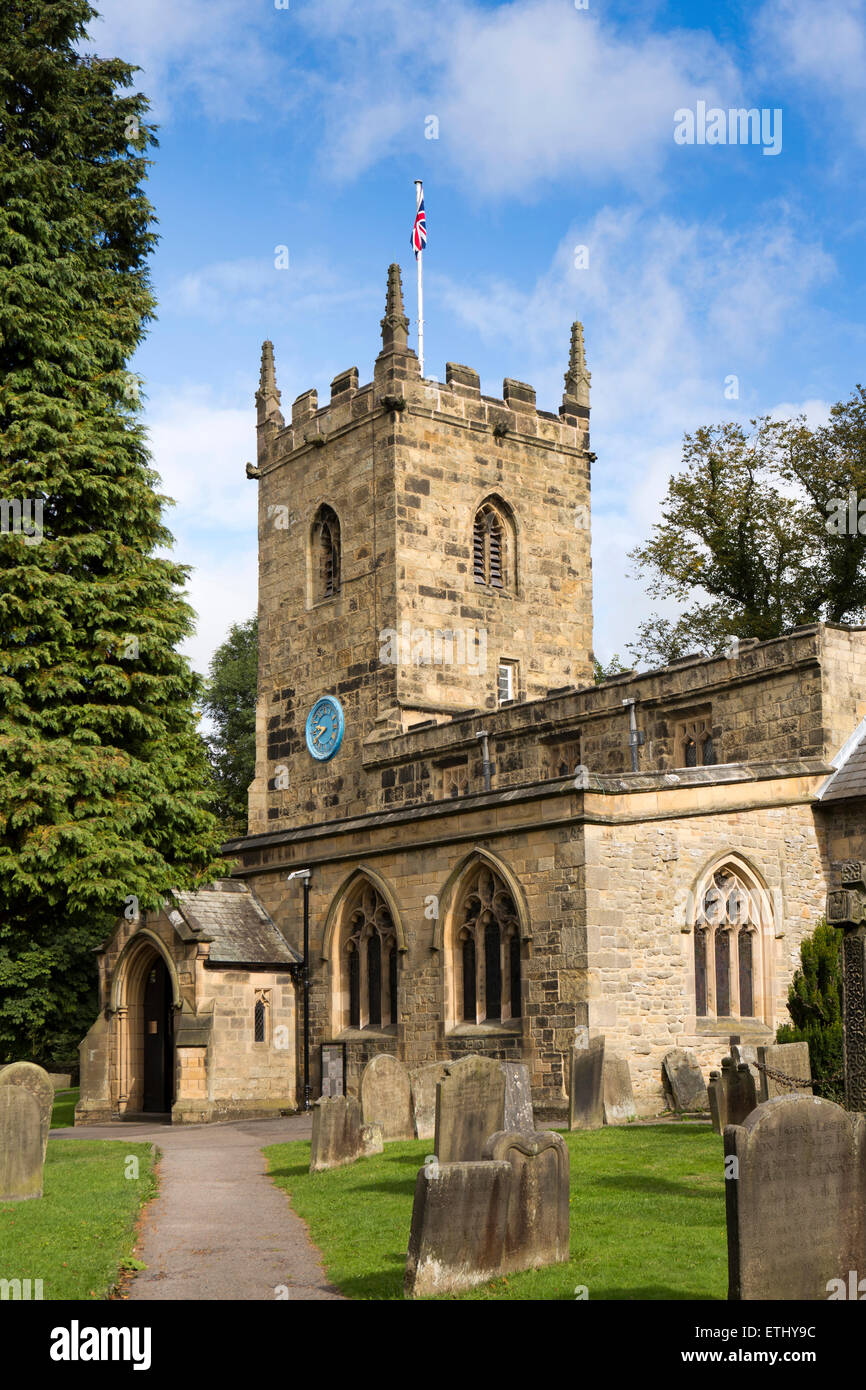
(219, 1228)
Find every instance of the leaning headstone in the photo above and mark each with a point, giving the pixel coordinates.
(683, 1082)
(741, 1097)
(791, 1059)
(424, 1081)
(37, 1081)
(718, 1102)
(372, 1140)
(586, 1086)
(748, 1053)
(386, 1097)
(794, 1199)
(336, 1132)
(458, 1226)
(518, 1098)
(21, 1156)
(619, 1106)
(470, 1106)
(536, 1231)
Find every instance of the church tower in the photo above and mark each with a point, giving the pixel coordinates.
(424, 551)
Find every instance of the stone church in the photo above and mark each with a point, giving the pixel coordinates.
(503, 856)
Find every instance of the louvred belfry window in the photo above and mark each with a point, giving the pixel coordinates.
(490, 546)
(326, 554)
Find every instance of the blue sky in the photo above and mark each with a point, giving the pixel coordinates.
(305, 127)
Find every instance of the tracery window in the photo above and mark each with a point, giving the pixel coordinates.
(731, 962)
(369, 962)
(487, 958)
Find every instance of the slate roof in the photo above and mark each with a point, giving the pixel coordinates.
(849, 779)
(230, 916)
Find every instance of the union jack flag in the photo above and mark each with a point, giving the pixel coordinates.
(419, 231)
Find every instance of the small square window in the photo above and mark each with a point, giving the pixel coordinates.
(506, 681)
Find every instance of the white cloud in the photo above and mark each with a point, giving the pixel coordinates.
(823, 46)
(226, 54)
(525, 93)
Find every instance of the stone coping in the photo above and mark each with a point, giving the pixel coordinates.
(612, 785)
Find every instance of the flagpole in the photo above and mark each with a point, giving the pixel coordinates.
(419, 259)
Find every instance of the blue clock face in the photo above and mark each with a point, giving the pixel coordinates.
(325, 725)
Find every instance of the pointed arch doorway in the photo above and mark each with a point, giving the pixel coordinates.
(158, 1042)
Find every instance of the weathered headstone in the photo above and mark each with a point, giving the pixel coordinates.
(458, 1226)
(37, 1081)
(21, 1156)
(794, 1199)
(586, 1088)
(791, 1059)
(336, 1132)
(683, 1082)
(619, 1105)
(748, 1053)
(424, 1081)
(372, 1139)
(518, 1098)
(470, 1106)
(717, 1097)
(740, 1094)
(536, 1231)
(386, 1097)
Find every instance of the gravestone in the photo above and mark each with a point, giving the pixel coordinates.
(21, 1156)
(586, 1085)
(333, 1080)
(740, 1095)
(536, 1228)
(683, 1082)
(792, 1059)
(386, 1097)
(794, 1199)
(748, 1053)
(518, 1098)
(619, 1105)
(470, 1106)
(37, 1081)
(424, 1081)
(372, 1140)
(718, 1102)
(458, 1229)
(336, 1133)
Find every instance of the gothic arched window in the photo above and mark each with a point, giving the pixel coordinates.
(487, 957)
(493, 547)
(369, 962)
(326, 554)
(732, 967)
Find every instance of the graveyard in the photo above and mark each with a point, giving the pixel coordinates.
(647, 1217)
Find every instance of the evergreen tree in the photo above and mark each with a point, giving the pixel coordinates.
(815, 1005)
(230, 700)
(103, 779)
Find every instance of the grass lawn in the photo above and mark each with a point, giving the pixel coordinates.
(77, 1235)
(647, 1217)
(63, 1114)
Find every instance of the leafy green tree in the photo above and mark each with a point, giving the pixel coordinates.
(230, 700)
(815, 1005)
(604, 672)
(764, 529)
(104, 783)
